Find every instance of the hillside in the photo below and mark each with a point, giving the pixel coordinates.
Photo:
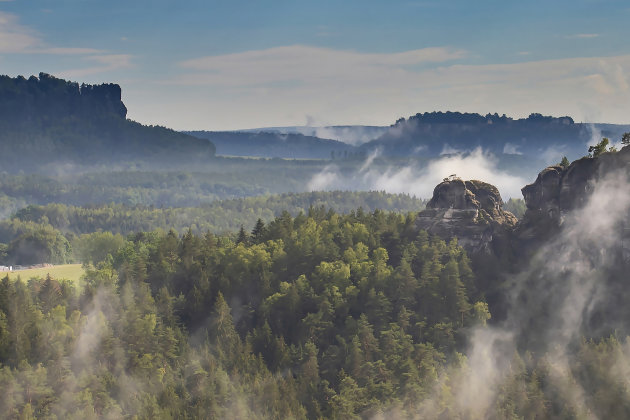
(270, 145)
(46, 121)
(436, 133)
(325, 315)
(350, 134)
(526, 143)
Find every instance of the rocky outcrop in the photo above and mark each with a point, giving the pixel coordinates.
(472, 212)
(47, 123)
(38, 100)
(558, 190)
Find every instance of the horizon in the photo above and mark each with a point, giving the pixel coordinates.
(219, 66)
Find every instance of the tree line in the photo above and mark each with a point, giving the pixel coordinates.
(313, 316)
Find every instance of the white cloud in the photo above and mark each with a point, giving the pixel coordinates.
(447, 149)
(420, 181)
(278, 86)
(103, 63)
(553, 154)
(20, 39)
(305, 65)
(511, 149)
(14, 37)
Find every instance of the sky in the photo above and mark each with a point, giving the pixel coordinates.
(221, 65)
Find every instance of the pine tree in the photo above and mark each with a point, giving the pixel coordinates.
(242, 236)
(258, 232)
(222, 332)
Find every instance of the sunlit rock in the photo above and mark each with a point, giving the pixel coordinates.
(471, 211)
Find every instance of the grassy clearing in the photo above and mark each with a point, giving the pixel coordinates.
(67, 271)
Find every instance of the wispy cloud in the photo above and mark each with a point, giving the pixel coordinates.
(14, 37)
(281, 85)
(305, 63)
(102, 64)
(419, 181)
(17, 38)
(68, 51)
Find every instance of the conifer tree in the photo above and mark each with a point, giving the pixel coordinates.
(242, 236)
(258, 231)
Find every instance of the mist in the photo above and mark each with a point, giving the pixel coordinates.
(556, 300)
(419, 180)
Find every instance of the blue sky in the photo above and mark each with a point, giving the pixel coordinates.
(238, 64)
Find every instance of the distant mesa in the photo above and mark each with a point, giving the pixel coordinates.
(46, 122)
(532, 141)
(467, 118)
(34, 98)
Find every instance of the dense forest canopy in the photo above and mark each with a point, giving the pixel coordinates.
(216, 217)
(212, 289)
(315, 316)
(299, 318)
(57, 233)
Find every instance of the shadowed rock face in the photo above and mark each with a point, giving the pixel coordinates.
(472, 212)
(27, 101)
(558, 190)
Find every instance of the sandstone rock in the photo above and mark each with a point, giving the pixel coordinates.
(559, 190)
(471, 211)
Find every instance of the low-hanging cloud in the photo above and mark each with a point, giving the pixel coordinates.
(550, 304)
(417, 180)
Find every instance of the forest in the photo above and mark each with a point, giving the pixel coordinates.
(314, 316)
(267, 287)
(58, 233)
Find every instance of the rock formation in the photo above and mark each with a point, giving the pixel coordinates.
(471, 211)
(558, 190)
(46, 122)
(39, 100)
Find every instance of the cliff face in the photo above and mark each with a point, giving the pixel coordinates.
(471, 211)
(558, 190)
(46, 122)
(37, 100)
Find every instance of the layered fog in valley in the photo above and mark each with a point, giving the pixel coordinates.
(363, 210)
